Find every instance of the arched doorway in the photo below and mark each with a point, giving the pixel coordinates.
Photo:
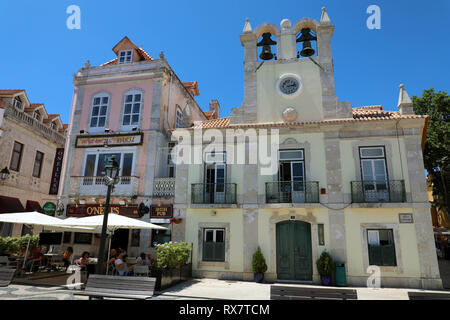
(294, 252)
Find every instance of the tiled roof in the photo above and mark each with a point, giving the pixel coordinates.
(215, 123)
(10, 91)
(361, 114)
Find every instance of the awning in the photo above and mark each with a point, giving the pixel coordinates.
(33, 206)
(9, 204)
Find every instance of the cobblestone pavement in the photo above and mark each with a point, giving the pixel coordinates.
(196, 289)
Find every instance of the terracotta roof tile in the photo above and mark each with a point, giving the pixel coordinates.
(10, 91)
(361, 114)
(144, 55)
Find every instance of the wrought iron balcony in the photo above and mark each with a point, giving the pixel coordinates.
(213, 193)
(164, 187)
(292, 192)
(96, 186)
(378, 191)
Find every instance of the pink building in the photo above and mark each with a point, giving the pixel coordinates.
(125, 107)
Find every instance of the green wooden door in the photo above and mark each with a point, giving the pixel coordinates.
(294, 253)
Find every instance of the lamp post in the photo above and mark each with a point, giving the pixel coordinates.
(111, 177)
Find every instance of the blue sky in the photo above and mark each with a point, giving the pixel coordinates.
(200, 40)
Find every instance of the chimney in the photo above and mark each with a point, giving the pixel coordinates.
(404, 102)
(215, 106)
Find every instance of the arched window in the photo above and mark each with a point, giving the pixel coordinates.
(132, 108)
(100, 105)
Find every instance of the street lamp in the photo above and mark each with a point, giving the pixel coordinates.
(111, 178)
(4, 173)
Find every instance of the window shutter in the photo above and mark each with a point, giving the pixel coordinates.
(208, 251)
(375, 256)
(219, 251)
(388, 252)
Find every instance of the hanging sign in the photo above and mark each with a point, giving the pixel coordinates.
(162, 211)
(49, 208)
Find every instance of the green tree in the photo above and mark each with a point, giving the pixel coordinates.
(436, 153)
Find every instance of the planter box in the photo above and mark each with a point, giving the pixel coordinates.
(169, 277)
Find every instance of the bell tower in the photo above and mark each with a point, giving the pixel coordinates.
(289, 81)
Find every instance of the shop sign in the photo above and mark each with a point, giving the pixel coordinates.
(49, 208)
(92, 210)
(110, 140)
(162, 211)
(56, 174)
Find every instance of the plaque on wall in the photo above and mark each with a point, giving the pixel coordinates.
(405, 218)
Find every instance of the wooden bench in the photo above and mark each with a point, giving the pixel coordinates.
(415, 295)
(118, 287)
(278, 292)
(6, 276)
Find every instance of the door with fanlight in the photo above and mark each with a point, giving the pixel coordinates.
(374, 174)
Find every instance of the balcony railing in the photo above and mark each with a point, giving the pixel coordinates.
(35, 125)
(164, 187)
(96, 186)
(213, 193)
(292, 192)
(378, 191)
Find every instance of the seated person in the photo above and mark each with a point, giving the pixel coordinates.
(66, 256)
(121, 265)
(83, 261)
(112, 258)
(142, 260)
(34, 256)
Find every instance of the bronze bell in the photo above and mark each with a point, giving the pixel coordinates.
(307, 50)
(266, 42)
(306, 38)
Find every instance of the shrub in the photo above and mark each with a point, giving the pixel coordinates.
(172, 255)
(11, 245)
(325, 264)
(259, 262)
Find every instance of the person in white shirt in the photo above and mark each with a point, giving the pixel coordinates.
(121, 265)
(142, 260)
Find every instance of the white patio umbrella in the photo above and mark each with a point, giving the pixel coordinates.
(115, 222)
(35, 218)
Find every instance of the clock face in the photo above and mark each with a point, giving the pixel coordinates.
(289, 85)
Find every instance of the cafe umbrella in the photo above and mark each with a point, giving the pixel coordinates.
(35, 218)
(115, 222)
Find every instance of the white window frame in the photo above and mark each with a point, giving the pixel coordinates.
(37, 116)
(97, 128)
(133, 93)
(18, 104)
(214, 230)
(113, 150)
(127, 57)
(178, 117)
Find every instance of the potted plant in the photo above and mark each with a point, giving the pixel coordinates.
(325, 267)
(259, 266)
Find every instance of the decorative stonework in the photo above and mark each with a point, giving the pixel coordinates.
(290, 114)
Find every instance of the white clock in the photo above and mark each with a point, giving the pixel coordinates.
(289, 85)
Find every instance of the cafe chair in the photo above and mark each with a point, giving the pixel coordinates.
(141, 271)
(4, 261)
